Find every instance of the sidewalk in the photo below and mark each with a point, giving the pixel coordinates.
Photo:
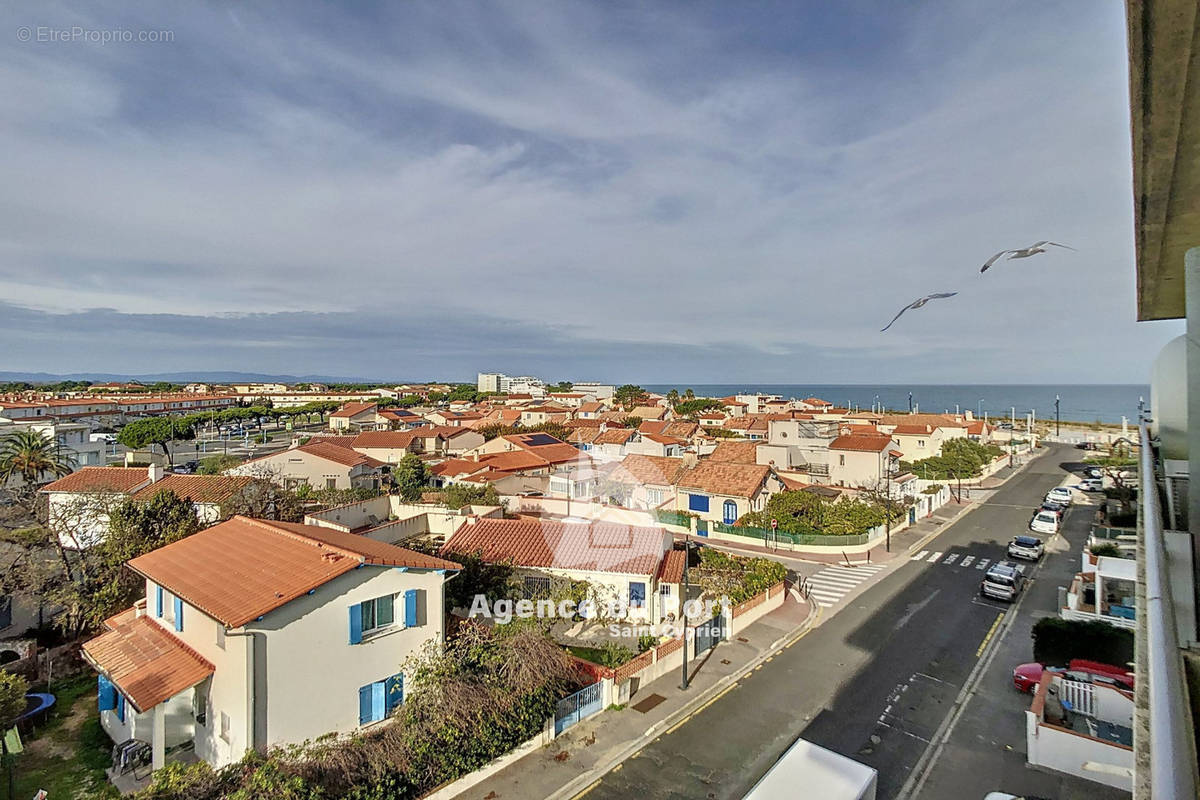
(902, 541)
(588, 750)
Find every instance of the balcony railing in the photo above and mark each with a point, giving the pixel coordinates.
(1172, 755)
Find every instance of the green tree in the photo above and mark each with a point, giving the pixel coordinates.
(215, 465)
(631, 421)
(689, 395)
(410, 476)
(561, 386)
(264, 499)
(12, 704)
(628, 395)
(457, 495)
(690, 408)
(159, 431)
(31, 455)
(673, 397)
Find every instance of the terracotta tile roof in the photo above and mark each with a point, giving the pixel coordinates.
(352, 409)
(243, 568)
(515, 461)
(100, 479)
(456, 466)
(659, 438)
(121, 617)
(214, 489)
(583, 435)
(591, 408)
(384, 439)
(977, 427)
(866, 444)
(735, 480)
(654, 470)
(670, 569)
(648, 412)
(816, 401)
(599, 547)
(936, 420)
(652, 426)
(735, 453)
(337, 454)
(146, 662)
(584, 422)
(544, 446)
(340, 441)
(912, 430)
(615, 436)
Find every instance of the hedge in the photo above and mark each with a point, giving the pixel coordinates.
(1056, 641)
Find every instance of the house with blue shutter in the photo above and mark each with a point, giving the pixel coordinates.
(255, 633)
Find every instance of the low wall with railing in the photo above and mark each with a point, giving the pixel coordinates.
(746, 613)
(802, 542)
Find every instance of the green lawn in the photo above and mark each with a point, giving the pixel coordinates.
(598, 655)
(67, 755)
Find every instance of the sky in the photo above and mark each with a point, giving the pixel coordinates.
(704, 192)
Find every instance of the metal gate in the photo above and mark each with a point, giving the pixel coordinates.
(702, 527)
(707, 636)
(578, 706)
(1079, 697)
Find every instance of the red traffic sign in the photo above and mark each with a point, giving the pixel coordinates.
(774, 524)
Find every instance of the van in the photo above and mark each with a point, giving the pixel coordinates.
(1044, 522)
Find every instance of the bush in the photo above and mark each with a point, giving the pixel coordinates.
(1105, 549)
(1056, 641)
(215, 465)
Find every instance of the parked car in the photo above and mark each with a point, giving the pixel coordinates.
(1058, 508)
(1002, 582)
(1088, 446)
(1027, 676)
(1059, 494)
(1029, 548)
(1092, 485)
(1093, 472)
(1044, 522)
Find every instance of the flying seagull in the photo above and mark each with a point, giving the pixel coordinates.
(917, 304)
(1023, 252)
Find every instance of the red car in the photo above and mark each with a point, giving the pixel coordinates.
(1027, 676)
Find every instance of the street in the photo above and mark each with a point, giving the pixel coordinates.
(877, 679)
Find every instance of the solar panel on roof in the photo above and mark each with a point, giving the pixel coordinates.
(538, 439)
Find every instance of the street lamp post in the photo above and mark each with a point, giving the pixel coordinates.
(910, 402)
(687, 551)
(1057, 420)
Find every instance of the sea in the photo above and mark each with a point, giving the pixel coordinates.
(1077, 402)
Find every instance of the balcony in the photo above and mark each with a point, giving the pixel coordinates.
(1103, 592)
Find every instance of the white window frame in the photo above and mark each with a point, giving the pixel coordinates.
(397, 615)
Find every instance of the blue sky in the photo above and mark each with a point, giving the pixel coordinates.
(656, 192)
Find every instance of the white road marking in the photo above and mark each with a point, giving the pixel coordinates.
(983, 562)
(934, 557)
(831, 584)
(966, 562)
(920, 555)
(950, 559)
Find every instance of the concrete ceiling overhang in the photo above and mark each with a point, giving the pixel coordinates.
(1164, 82)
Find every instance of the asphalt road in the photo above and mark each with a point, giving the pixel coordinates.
(873, 682)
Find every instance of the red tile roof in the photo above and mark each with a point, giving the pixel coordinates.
(670, 569)
(100, 479)
(146, 662)
(592, 547)
(866, 444)
(353, 409)
(337, 454)
(735, 453)
(912, 430)
(243, 568)
(383, 439)
(653, 470)
(213, 489)
(735, 480)
(615, 436)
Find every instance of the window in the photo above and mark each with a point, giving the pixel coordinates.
(697, 502)
(158, 601)
(200, 705)
(841, 459)
(654, 497)
(120, 706)
(331, 483)
(224, 726)
(178, 614)
(537, 588)
(920, 442)
(664, 589)
(729, 512)
(637, 594)
(378, 613)
(379, 699)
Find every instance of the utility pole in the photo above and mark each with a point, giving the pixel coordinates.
(888, 543)
(910, 402)
(687, 551)
(1057, 420)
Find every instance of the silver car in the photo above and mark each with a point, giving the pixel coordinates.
(1029, 548)
(1003, 581)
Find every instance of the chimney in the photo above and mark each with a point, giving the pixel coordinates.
(155, 471)
(690, 460)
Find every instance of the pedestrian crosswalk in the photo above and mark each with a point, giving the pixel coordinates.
(959, 560)
(833, 583)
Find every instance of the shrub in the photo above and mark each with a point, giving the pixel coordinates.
(1105, 549)
(1056, 641)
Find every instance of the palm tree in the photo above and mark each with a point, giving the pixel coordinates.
(673, 397)
(32, 455)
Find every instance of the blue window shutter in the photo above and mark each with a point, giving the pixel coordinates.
(698, 502)
(364, 705)
(158, 601)
(410, 608)
(178, 614)
(356, 623)
(394, 688)
(106, 694)
(378, 701)
(637, 594)
(120, 706)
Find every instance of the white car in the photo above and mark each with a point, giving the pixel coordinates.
(1029, 548)
(1059, 494)
(1044, 522)
(1092, 484)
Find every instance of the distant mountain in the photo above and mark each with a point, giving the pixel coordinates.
(186, 377)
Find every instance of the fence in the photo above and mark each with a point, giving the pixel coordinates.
(803, 539)
(577, 707)
(680, 518)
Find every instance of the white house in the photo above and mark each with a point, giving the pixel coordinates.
(319, 464)
(720, 492)
(254, 634)
(632, 565)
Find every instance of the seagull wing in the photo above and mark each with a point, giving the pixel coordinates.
(994, 259)
(1056, 244)
(940, 295)
(906, 308)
